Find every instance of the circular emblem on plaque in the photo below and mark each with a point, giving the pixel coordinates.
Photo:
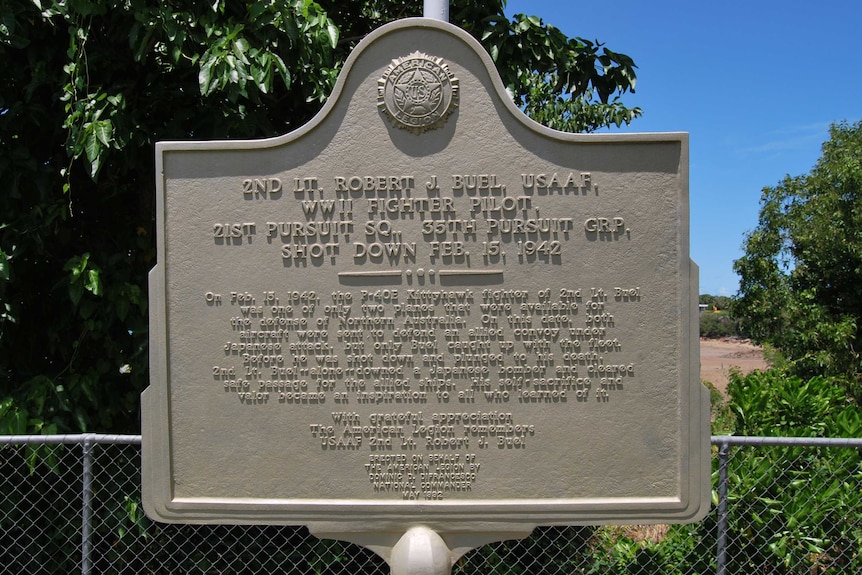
(417, 92)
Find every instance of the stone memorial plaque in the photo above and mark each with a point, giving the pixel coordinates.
(424, 308)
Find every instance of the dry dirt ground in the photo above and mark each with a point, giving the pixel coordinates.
(718, 356)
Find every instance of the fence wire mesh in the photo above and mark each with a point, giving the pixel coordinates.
(73, 506)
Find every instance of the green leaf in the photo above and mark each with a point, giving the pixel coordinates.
(240, 47)
(91, 142)
(332, 32)
(16, 422)
(282, 69)
(205, 82)
(104, 131)
(4, 266)
(76, 265)
(95, 167)
(5, 405)
(80, 419)
(82, 277)
(94, 284)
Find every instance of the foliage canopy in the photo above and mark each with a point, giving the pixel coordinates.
(91, 85)
(801, 275)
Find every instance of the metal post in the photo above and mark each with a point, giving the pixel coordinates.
(721, 527)
(420, 551)
(436, 9)
(87, 506)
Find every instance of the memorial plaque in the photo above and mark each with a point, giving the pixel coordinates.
(424, 308)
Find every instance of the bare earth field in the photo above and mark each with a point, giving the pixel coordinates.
(718, 356)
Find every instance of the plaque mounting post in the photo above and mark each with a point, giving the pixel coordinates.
(436, 9)
(421, 551)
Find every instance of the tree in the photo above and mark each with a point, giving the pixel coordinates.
(716, 302)
(801, 275)
(89, 87)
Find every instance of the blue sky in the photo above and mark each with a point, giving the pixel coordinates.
(756, 84)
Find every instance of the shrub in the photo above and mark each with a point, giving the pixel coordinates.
(792, 506)
(717, 324)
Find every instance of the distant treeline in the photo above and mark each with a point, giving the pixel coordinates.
(717, 319)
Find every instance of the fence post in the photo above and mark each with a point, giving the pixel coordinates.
(721, 527)
(87, 505)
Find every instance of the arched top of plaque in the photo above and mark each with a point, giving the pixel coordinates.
(422, 89)
(420, 76)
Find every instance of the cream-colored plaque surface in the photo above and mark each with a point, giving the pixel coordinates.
(422, 307)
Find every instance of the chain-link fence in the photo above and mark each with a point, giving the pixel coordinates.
(71, 504)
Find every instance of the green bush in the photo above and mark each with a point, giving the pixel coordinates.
(718, 324)
(792, 508)
(721, 417)
(775, 404)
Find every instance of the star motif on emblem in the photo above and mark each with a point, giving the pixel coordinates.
(417, 92)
